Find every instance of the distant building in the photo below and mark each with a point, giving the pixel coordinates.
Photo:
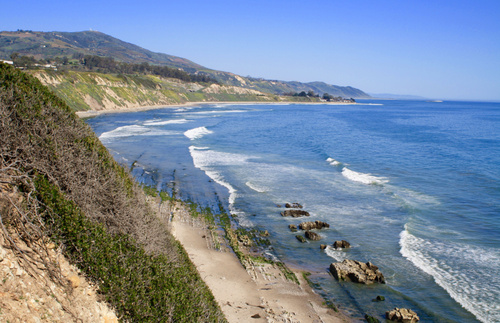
(7, 62)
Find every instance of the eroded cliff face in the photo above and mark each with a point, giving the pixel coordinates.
(85, 91)
(38, 282)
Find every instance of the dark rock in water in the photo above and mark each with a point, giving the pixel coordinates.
(371, 319)
(295, 213)
(313, 225)
(292, 227)
(278, 205)
(312, 235)
(293, 206)
(264, 233)
(323, 246)
(341, 244)
(301, 238)
(402, 315)
(379, 299)
(356, 271)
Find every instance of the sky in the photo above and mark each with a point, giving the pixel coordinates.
(436, 49)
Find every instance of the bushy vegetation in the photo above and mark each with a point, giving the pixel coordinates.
(75, 193)
(103, 64)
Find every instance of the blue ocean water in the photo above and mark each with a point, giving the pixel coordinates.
(414, 186)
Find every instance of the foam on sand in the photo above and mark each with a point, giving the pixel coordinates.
(197, 133)
(476, 290)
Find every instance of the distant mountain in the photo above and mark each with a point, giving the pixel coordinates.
(59, 44)
(397, 96)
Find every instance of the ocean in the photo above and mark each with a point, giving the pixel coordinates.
(413, 186)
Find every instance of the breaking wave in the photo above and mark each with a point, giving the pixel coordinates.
(256, 188)
(134, 130)
(207, 160)
(363, 178)
(165, 122)
(477, 290)
(197, 133)
(333, 162)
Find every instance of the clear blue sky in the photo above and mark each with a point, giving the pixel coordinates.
(436, 49)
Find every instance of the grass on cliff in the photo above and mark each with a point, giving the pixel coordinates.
(74, 192)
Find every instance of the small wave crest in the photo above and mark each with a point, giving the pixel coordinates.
(134, 130)
(165, 122)
(207, 160)
(470, 274)
(197, 133)
(256, 187)
(333, 162)
(363, 178)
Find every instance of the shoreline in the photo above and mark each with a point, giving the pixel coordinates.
(94, 113)
(258, 293)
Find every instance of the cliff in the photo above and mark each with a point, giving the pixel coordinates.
(61, 189)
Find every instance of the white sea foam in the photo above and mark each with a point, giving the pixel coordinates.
(134, 130)
(362, 177)
(470, 274)
(256, 187)
(337, 254)
(333, 162)
(206, 160)
(197, 133)
(165, 122)
(218, 111)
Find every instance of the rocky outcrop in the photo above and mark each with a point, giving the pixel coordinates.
(404, 315)
(295, 213)
(341, 244)
(293, 205)
(356, 271)
(313, 225)
(292, 227)
(301, 238)
(312, 235)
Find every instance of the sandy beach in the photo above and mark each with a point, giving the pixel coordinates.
(93, 113)
(257, 294)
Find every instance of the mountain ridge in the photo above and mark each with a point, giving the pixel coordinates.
(59, 44)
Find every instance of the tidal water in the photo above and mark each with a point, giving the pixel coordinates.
(414, 186)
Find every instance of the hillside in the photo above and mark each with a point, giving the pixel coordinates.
(61, 187)
(97, 91)
(59, 44)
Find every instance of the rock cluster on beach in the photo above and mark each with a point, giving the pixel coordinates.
(347, 270)
(294, 210)
(312, 235)
(402, 315)
(313, 225)
(342, 244)
(356, 271)
(295, 213)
